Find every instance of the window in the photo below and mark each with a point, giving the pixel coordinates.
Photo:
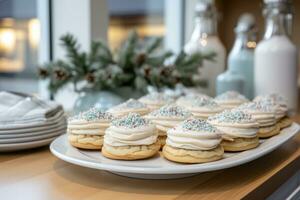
(27, 38)
(23, 25)
(145, 16)
(19, 37)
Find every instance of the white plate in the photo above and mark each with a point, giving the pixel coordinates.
(32, 138)
(160, 168)
(25, 145)
(32, 129)
(30, 133)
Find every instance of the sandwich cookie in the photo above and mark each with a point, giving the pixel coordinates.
(131, 137)
(202, 106)
(265, 115)
(156, 100)
(130, 106)
(238, 128)
(86, 129)
(280, 104)
(184, 100)
(231, 99)
(167, 117)
(193, 141)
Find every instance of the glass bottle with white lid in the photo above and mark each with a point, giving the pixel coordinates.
(276, 66)
(239, 75)
(205, 39)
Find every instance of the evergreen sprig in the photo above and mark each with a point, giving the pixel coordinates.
(137, 64)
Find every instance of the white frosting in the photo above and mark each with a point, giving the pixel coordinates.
(77, 124)
(83, 127)
(91, 122)
(264, 119)
(275, 98)
(124, 112)
(243, 126)
(167, 117)
(235, 132)
(192, 140)
(122, 136)
(156, 100)
(185, 100)
(231, 99)
(201, 106)
(279, 106)
(203, 112)
(264, 114)
(280, 113)
(130, 106)
(230, 104)
(87, 131)
(164, 124)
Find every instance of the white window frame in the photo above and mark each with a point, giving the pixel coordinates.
(175, 26)
(45, 46)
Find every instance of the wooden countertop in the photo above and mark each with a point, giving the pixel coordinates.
(37, 174)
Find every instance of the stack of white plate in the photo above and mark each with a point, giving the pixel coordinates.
(34, 131)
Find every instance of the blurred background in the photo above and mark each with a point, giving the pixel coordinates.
(30, 30)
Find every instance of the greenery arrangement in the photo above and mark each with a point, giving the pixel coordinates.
(137, 64)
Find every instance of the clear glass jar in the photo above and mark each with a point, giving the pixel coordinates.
(241, 56)
(276, 57)
(205, 39)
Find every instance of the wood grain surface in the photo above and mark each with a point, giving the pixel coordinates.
(38, 175)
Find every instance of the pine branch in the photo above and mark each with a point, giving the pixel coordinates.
(158, 60)
(127, 51)
(137, 65)
(209, 56)
(59, 75)
(179, 59)
(69, 42)
(100, 53)
(78, 59)
(153, 45)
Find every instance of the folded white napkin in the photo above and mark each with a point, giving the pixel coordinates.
(17, 109)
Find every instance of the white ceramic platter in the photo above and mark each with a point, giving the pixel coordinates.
(160, 168)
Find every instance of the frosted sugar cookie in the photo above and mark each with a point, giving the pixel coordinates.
(130, 106)
(193, 141)
(280, 105)
(131, 137)
(200, 106)
(156, 100)
(86, 129)
(238, 128)
(167, 117)
(231, 99)
(265, 115)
